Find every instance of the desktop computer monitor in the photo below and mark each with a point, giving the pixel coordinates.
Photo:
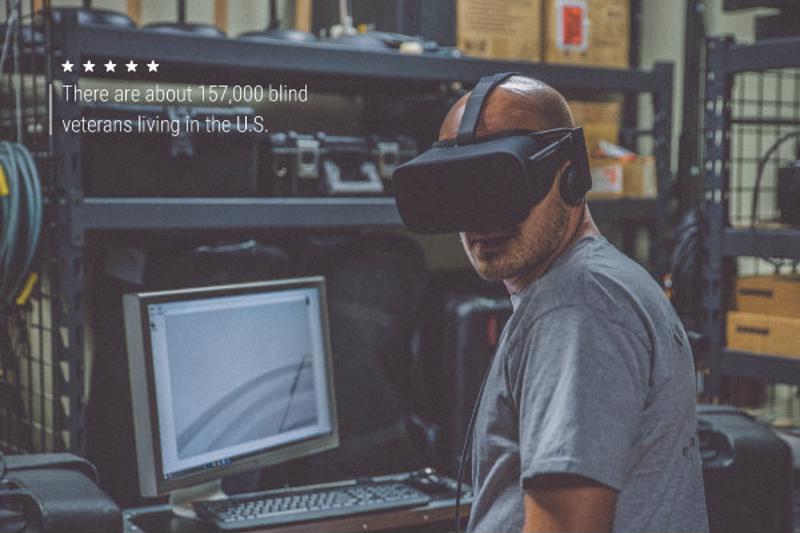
(227, 379)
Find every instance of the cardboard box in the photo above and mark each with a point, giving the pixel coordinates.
(764, 334)
(500, 29)
(614, 178)
(769, 295)
(640, 178)
(587, 32)
(600, 121)
(607, 178)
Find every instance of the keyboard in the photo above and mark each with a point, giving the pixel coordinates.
(287, 506)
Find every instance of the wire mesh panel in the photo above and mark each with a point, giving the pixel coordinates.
(30, 374)
(765, 137)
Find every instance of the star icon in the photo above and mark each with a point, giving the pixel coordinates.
(67, 66)
(88, 66)
(152, 66)
(110, 66)
(131, 66)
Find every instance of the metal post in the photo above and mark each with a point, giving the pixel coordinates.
(68, 313)
(688, 160)
(662, 150)
(716, 177)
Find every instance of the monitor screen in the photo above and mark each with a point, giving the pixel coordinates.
(232, 373)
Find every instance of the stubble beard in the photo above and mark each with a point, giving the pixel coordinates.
(522, 253)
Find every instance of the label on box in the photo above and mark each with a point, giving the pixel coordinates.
(510, 29)
(572, 25)
(587, 32)
(607, 179)
(764, 334)
(770, 295)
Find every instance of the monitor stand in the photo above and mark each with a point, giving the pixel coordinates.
(181, 500)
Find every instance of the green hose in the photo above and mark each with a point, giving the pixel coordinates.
(21, 211)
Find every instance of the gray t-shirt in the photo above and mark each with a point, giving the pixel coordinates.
(593, 376)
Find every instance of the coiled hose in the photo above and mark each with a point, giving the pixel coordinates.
(21, 208)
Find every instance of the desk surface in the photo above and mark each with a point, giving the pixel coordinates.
(438, 515)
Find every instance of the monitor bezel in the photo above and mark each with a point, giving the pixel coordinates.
(146, 423)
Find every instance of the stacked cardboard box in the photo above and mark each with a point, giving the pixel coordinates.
(600, 121)
(619, 178)
(767, 316)
(576, 32)
(504, 29)
(587, 32)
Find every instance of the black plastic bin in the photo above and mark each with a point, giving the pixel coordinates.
(747, 471)
(169, 162)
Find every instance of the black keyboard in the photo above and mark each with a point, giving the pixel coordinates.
(282, 507)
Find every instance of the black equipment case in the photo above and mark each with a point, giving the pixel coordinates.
(290, 165)
(167, 159)
(747, 471)
(348, 167)
(472, 329)
(296, 164)
(56, 493)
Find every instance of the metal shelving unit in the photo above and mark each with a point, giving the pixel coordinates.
(783, 243)
(342, 66)
(242, 213)
(196, 59)
(774, 63)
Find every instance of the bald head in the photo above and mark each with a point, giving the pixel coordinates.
(518, 102)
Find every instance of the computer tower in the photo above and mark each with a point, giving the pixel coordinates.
(747, 471)
(472, 328)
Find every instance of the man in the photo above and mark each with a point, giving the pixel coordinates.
(587, 421)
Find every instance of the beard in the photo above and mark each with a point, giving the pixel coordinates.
(510, 253)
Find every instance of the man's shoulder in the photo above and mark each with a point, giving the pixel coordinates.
(597, 278)
(593, 270)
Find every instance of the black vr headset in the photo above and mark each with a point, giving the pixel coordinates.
(470, 184)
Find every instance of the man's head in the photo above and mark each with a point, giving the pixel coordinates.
(518, 103)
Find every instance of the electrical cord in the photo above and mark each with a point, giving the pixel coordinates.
(684, 273)
(11, 25)
(465, 450)
(21, 209)
(762, 164)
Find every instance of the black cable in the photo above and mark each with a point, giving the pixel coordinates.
(11, 28)
(274, 21)
(762, 164)
(292, 390)
(468, 446)
(684, 271)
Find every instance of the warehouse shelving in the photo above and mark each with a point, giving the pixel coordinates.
(240, 213)
(782, 243)
(197, 59)
(769, 368)
(723, 242)
(217, 58)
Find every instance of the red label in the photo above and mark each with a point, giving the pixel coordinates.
(572, 25)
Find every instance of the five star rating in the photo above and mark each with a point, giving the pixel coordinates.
(110, 66)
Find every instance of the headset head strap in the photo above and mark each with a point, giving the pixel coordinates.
(475, 103)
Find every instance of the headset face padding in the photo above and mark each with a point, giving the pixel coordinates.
(489, 182)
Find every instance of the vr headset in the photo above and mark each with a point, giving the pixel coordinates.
(492, 182)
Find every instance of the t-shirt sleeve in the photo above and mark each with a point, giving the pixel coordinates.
(580, 390)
